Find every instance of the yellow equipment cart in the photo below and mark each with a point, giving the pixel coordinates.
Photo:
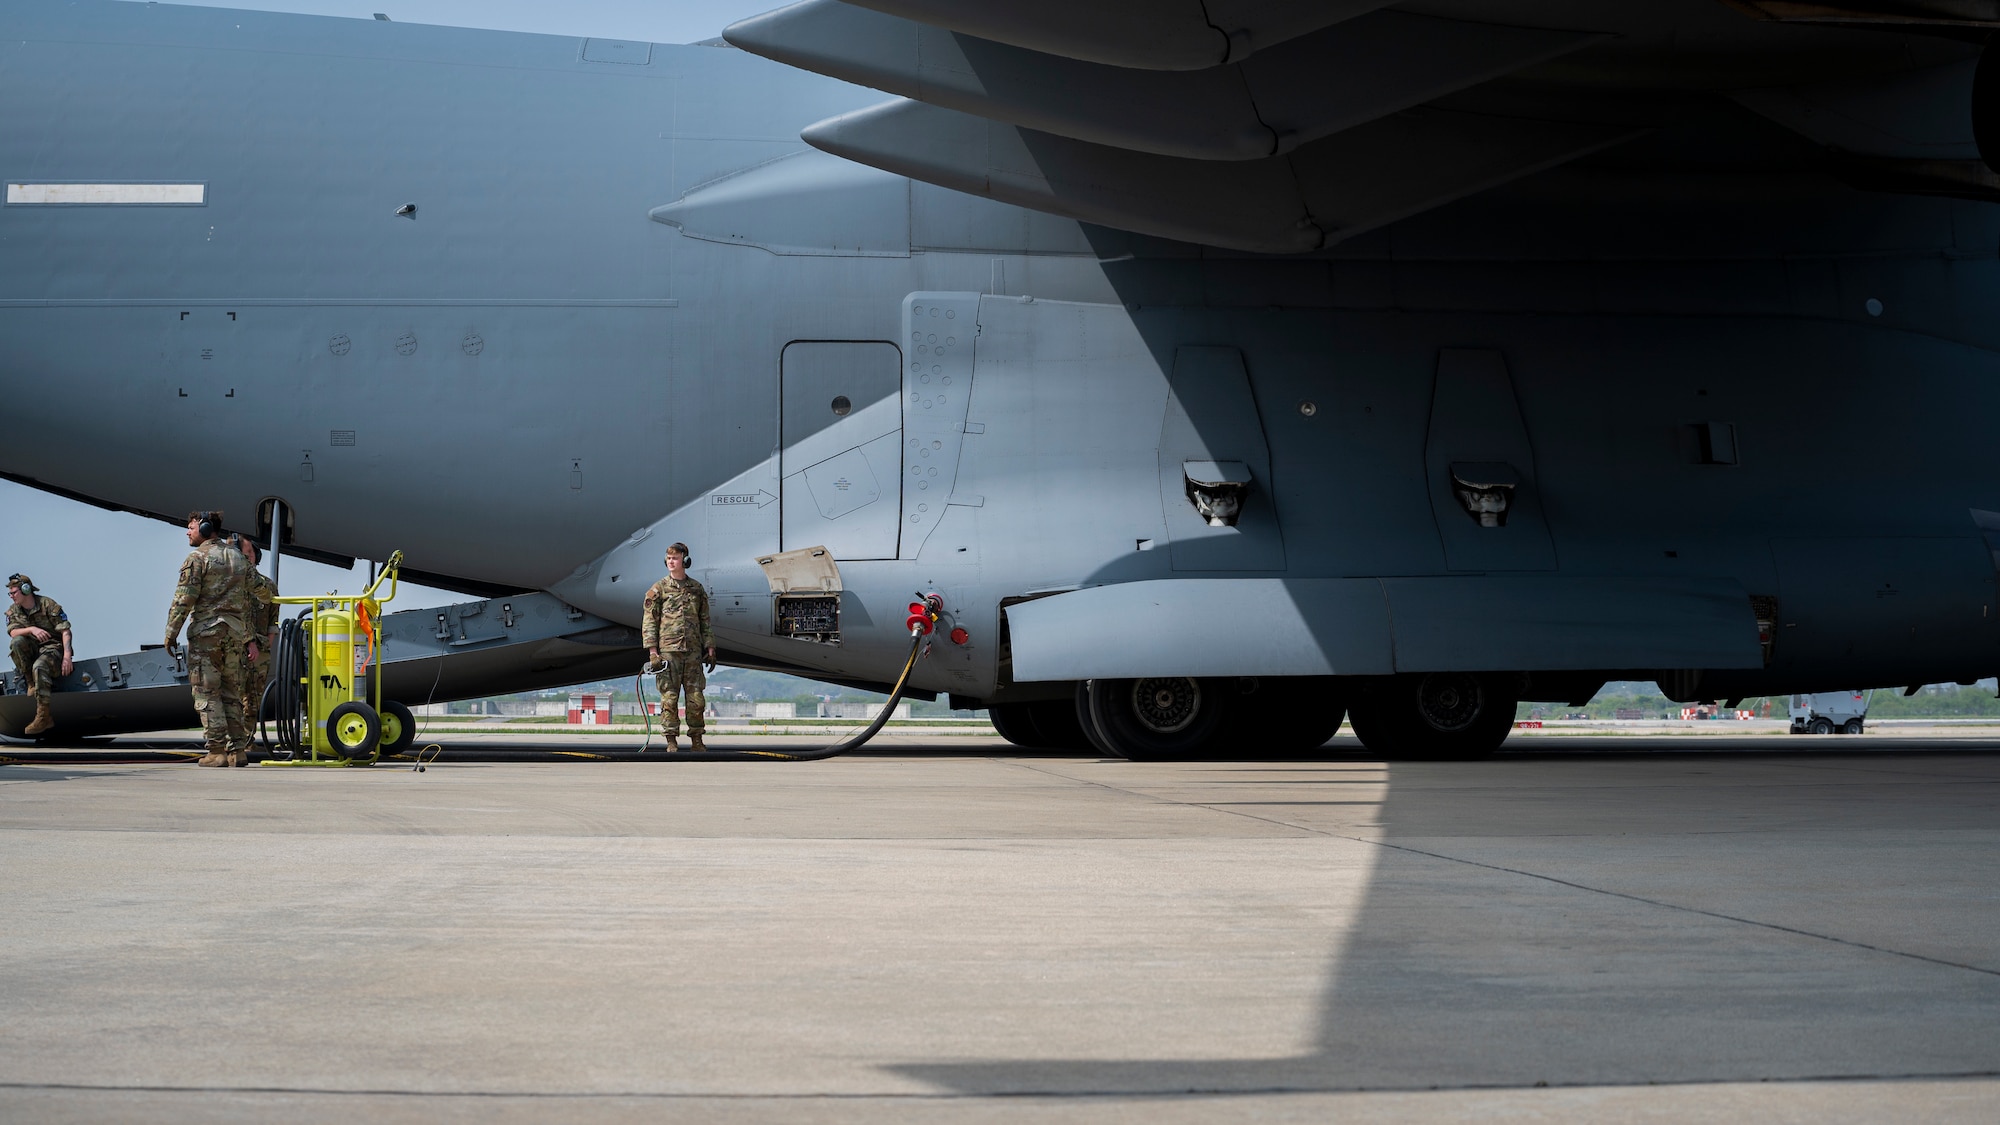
(327, 684)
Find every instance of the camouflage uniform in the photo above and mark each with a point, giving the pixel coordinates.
(213, 598)
(263, 629)
(38, 662)
(676, 626)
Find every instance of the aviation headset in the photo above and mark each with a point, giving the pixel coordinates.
(210, 525)
(26, 584)
(687, 557)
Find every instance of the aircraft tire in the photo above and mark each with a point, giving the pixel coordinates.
(1087, 723)
(1016, 724)
(1284, 718)
(1158, 718)
(399, 728)
(1433, 716)
(1309, 732)
(1056, 721)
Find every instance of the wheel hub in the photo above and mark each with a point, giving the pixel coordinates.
(1450, 702)
(1166, 705)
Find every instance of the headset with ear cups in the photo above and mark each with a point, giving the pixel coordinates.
(208, 528)
(25, 584)
(686, 560)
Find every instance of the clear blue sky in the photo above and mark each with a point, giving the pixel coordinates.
(115, 573)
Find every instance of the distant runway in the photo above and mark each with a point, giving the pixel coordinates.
(949, 930)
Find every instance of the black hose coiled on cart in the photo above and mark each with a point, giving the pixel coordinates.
(284, 696)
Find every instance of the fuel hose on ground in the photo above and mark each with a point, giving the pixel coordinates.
(852, 742)
(924, 614)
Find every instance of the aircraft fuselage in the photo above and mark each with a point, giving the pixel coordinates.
(627, 299)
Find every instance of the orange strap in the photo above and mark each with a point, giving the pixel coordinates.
(367, 629)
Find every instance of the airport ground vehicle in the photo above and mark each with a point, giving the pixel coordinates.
(1830, 712)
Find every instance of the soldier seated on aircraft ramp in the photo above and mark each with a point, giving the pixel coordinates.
(34, 624)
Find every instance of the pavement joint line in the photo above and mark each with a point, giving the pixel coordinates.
(1158, 800)
(1010, 1095)
(1977, 779)
(1776, 926)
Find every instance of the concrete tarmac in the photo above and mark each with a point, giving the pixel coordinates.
(1644, 930)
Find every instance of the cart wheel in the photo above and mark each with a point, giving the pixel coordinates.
(1852, 726)
(354, 730)
(399, 728)
(1822, 726)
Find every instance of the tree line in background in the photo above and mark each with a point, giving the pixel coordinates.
(1933, 701)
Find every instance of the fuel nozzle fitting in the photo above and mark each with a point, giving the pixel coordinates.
(924, 614)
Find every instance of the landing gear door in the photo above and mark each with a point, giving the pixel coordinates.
(838, 465)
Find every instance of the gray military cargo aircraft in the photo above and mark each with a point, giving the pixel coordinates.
(1401, 360)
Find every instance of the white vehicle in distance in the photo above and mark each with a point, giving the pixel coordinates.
(1830, 712)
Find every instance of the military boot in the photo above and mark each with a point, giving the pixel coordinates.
(44, 721)
(694, 743)
(238, 758)
(213, 759)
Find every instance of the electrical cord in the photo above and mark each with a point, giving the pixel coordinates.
(645, 716)
(434, 748)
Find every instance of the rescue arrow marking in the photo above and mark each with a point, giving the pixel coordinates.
(760, 498)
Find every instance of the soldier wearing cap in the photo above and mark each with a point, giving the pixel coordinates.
(39, 638)
(677, 633)
(213, 600)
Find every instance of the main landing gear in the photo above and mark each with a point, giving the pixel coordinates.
(1434, 716)
(1424, 716)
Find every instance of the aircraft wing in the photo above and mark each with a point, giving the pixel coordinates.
(1286, 126)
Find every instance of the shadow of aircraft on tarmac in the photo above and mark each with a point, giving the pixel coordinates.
(1615, 920)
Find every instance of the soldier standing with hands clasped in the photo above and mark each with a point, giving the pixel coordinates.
(677, 635)
(213, 599)
(38, 635)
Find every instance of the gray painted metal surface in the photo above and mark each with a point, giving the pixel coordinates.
(628, 295)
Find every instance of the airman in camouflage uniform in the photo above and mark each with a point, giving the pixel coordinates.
(38, 635)
(678, 634)
(263, 626)
(213, 599)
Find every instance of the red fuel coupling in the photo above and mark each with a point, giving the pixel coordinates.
(924, 614)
